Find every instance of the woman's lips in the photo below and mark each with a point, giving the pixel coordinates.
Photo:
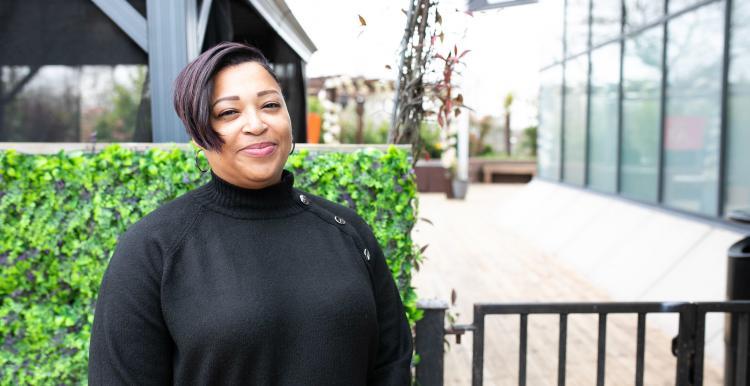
(262, 149)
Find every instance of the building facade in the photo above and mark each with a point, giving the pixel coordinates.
(649, 100)
(83, 70)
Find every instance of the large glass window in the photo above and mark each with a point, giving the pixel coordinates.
(605, 20)
(641, 106)
(691, 142)
(679, 5)
(551, 29)
(641, 12)
(737, 192)
(576, 74)
(89, 77)
(550, 115)
(605, 81)
(577, 26)
(74, 104)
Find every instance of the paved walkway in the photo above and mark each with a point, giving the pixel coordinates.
(485, 262)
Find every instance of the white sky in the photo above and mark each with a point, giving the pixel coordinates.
(504, 44)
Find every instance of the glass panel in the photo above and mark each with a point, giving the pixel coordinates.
(605, 20)
(550, 114)
(576, 73)
(738, 128)
(577, 25)
(641, 12)
(90, 76)
(691, 142)
(679, 5)
(605, 82)
(641, 105)
(71, 103)
(551, 29)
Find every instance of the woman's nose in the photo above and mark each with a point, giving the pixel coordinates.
(253, 124)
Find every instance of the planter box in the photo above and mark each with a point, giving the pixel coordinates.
(432, 177)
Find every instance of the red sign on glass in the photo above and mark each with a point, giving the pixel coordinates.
(684, 133)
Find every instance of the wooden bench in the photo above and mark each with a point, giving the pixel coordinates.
(518, 168)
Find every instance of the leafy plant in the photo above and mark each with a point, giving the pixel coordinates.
(528, 143)
(60, 216)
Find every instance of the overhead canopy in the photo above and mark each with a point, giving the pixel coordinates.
(280, 18)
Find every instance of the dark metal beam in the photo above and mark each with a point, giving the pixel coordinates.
(127, 18)
(724, 124)
(662, 109)
(203, 21)
(620, 109)
(587, 119)
(561, 174)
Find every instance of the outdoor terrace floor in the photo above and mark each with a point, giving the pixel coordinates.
(470, 251)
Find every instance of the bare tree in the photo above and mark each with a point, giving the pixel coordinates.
(415, 54)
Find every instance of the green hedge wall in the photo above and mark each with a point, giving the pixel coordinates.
(60, 216)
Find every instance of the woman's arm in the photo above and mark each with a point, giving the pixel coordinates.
(393, 361)
(130, 344)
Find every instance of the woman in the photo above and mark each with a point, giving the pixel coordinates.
(247, 280)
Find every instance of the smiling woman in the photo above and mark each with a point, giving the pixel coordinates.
(249, 114)
(247, 280)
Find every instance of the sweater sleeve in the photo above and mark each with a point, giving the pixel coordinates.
(130, 343)
(394, 354)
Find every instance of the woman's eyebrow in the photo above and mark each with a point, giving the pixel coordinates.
(266, 92)
(226, 98)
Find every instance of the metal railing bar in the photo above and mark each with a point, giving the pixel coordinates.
(731, 306)
(742, 336)
(640, 349)
(580, 308)
(601, 354)
(700, 343)
(562, 349)
(522, 350)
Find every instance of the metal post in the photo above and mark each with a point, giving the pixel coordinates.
(686, 345)
(477, 364)
(430, 332)
(738, 288)
(168, 30)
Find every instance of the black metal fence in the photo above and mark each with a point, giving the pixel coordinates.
(688, 346)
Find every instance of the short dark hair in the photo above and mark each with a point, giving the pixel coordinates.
(194, 87)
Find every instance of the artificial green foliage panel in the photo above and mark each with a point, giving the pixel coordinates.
(60, 216)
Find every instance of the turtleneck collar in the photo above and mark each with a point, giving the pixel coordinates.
(272, 201)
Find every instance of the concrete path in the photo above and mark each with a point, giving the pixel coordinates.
(484, 261)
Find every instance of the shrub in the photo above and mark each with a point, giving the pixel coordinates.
(60, 216)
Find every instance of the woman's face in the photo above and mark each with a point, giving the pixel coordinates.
(250, 115)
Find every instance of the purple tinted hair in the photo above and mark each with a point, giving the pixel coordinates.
(194, 86)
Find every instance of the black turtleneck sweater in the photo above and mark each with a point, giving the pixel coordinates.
(232, 286)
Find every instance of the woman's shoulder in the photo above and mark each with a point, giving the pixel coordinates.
(167, 222)
(342, 211)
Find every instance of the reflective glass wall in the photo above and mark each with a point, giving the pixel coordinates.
(737, 188)
(654, 102)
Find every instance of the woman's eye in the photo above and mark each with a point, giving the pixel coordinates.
(226, 113)
(272, 105)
